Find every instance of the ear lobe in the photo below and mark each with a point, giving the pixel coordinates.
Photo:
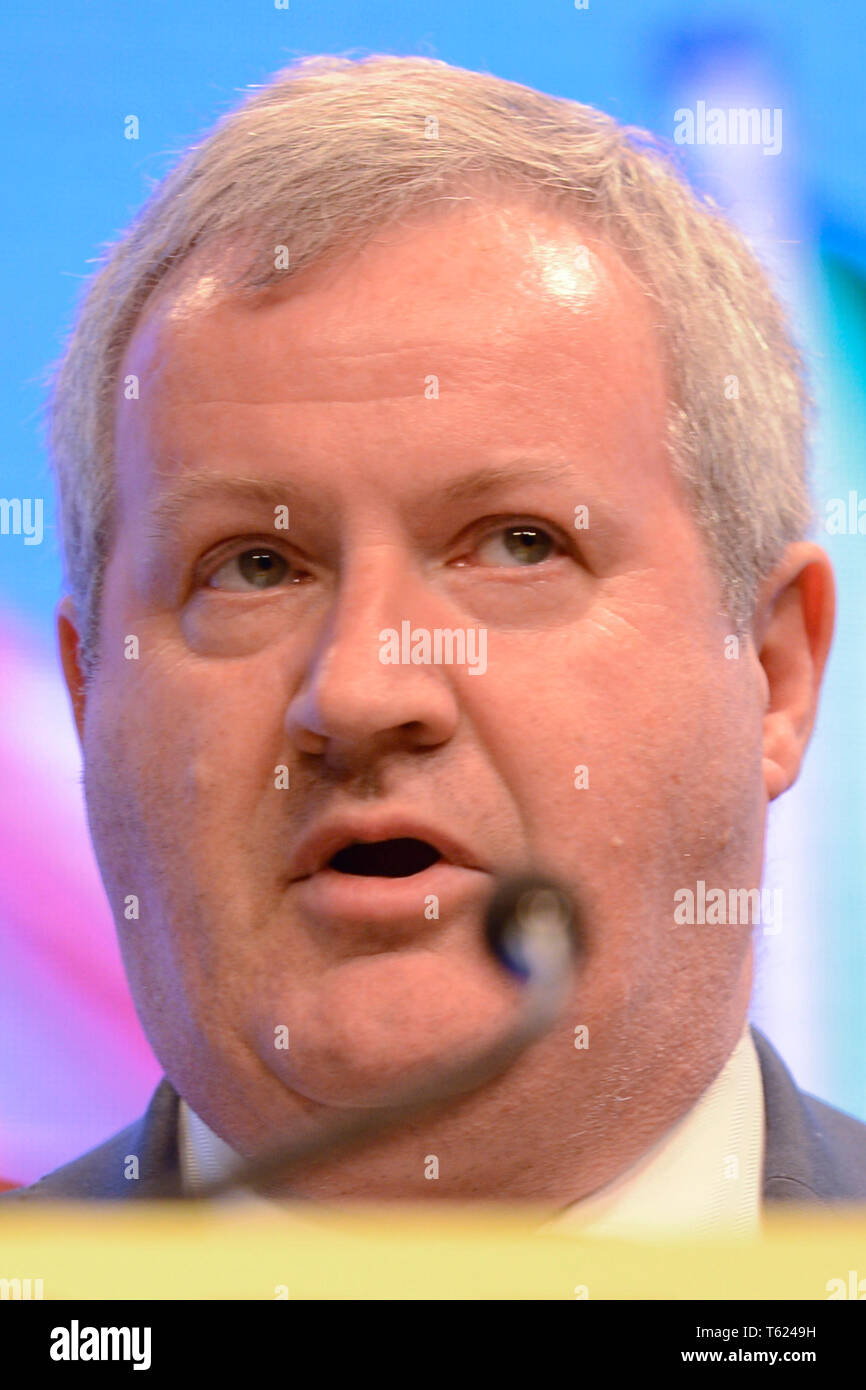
(69, 644)
(793, 629)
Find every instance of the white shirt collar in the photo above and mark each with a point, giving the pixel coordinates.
(703, 1175)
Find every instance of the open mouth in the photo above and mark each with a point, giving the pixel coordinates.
(385, 858)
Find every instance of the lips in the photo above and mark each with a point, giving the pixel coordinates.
(382, 881)
(392, 847)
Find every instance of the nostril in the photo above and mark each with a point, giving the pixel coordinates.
(385, 858)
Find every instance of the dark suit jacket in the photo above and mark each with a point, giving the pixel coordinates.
(813, 1153)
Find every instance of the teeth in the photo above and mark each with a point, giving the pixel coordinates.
(385, 858)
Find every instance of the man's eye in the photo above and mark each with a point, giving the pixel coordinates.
(528, 545)
(258, 567)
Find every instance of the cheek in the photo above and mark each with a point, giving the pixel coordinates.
(631, 758)
(180, 762)
(573, 724)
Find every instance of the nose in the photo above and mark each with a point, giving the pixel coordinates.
(351, 702)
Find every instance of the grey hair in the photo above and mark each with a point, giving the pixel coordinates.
(329, 151)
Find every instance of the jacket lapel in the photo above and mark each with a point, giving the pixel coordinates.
(813, 1152)
(107, 1171)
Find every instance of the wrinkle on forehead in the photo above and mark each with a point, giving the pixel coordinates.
(429, 301)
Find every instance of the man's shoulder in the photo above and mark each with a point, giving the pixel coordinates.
(139, 1161)
(843, 1138)
(814, 1152)
(93, 1174)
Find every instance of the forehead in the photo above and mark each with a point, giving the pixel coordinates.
(484, 273)
(519, 315)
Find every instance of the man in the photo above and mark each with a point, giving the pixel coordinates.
(413, 538)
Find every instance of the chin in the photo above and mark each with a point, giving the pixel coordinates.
(374, 1023)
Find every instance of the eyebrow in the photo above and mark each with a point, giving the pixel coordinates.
(166, 516)
(484, 480)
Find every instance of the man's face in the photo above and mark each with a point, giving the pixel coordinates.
(434, 413)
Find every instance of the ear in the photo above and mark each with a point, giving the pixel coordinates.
(792, 629)
(69, 643)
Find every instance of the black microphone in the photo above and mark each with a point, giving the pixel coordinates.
(535, 930)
